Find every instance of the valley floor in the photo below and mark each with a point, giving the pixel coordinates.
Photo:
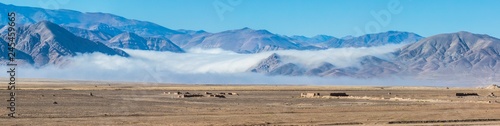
(147, 104)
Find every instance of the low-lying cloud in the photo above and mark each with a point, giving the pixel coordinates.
(209, 66)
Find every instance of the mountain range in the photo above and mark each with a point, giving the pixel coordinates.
(103, 27)
(461, 53)
(49, 36)
(452, 52)
(48, 43)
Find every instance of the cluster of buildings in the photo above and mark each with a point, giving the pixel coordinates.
(314, 95)
(207, 94)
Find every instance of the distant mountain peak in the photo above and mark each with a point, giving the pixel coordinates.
(471, 37)
(131, 40)
(263, 31)
(322, 36)
(105, 29)
(163, 44)
(250, 30)
(464, 32)
(393, 31)
(201, 31)
(49, 30)
(71, 18)
(49, 43)
(376, 39)
(347, 37)
(267, 65)
(45, 25)
(246, 28)
(128, 40)
(448, 52)
(273, 65)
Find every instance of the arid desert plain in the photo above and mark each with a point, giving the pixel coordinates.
(55, 102)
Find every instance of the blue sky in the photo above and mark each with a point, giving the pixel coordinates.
(300, 17)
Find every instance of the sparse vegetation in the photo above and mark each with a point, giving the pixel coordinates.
(135, 104)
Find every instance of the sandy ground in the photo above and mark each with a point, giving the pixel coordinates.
(146, 104)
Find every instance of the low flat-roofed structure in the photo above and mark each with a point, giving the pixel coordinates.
(466, 94)
(339, 94)
(309, 95)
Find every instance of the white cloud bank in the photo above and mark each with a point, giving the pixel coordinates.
(214, 66)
